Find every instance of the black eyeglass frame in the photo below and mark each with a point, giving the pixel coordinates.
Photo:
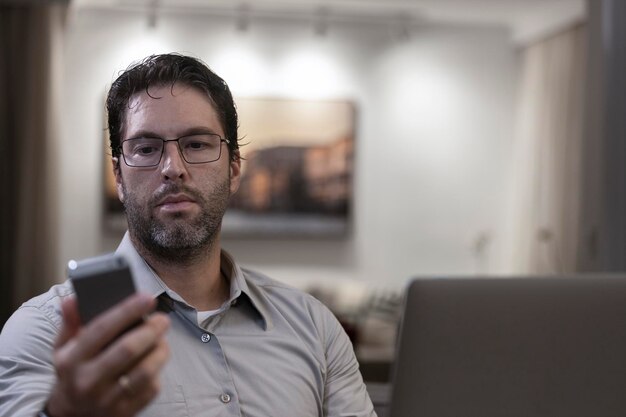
(177, 140)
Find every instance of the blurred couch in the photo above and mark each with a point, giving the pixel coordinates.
(370, 315)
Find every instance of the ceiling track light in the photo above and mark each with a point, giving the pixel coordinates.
(153, 7)
(242, 21)
(402, 28)
(320, 22)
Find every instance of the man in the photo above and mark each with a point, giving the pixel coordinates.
(225, 341)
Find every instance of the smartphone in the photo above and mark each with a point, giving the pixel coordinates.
(100, 283)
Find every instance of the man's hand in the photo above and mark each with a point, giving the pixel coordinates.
(103, 373)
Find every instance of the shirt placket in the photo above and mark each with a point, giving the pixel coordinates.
(211, 350)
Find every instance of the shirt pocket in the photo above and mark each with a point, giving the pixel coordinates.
(170, 402)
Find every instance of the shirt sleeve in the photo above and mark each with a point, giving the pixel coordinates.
(345, 394)
(26, 371)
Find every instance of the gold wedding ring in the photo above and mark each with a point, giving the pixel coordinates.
(124, 383)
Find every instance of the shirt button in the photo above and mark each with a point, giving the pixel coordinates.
(205, 337)
(225, 398)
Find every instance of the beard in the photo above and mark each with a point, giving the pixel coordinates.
(179, 239)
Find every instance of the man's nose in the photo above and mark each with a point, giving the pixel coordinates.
(173, 165)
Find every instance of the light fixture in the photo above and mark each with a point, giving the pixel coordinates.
(320, 24)
(153, 7)
(402, 27)
(242, 22)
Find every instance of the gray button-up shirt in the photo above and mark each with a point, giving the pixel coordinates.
(270, 351)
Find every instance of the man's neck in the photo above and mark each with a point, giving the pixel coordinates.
(198, 281)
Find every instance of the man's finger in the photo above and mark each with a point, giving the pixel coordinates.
(129, 349)
(103, 329)
(140, 384)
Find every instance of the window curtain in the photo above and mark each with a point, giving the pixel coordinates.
(31, 37)
(603, 243)
(545, 207)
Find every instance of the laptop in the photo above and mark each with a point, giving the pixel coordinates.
(514, 347)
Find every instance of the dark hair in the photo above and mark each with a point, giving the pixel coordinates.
(168, 69)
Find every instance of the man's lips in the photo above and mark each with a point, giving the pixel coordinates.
(175, 202)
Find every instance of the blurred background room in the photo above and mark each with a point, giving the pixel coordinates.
(452, 138)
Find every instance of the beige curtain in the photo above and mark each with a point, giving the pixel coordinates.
(547, 172)
(31, 38)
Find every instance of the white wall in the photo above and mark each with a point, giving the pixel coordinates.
(434, 134)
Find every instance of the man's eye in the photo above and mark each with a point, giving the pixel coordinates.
(197, 146)
(145, 150)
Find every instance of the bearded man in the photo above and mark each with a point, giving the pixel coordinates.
(223, 341)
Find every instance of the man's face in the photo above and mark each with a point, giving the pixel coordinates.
(175, 209)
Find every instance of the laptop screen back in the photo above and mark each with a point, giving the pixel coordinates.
(512, 347)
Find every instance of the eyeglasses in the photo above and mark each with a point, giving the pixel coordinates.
(195, 149)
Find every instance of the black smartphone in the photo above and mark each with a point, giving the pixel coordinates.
(100, 283)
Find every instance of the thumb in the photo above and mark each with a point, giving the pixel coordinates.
(71, 321)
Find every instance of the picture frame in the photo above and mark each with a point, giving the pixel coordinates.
(297, 170)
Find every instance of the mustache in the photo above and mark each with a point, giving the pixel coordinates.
(170, 189)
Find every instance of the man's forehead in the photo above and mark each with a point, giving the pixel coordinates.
(156, 93)
(180, 104)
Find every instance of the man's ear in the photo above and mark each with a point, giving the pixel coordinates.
(235, 172)
(117, 171)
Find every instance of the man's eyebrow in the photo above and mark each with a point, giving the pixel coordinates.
(196, 130)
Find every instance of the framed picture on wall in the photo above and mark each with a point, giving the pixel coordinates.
(297, 170)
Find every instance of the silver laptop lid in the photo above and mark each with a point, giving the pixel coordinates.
(512, 347)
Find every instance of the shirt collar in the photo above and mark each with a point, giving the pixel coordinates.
(146, 280)
(239, 285)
